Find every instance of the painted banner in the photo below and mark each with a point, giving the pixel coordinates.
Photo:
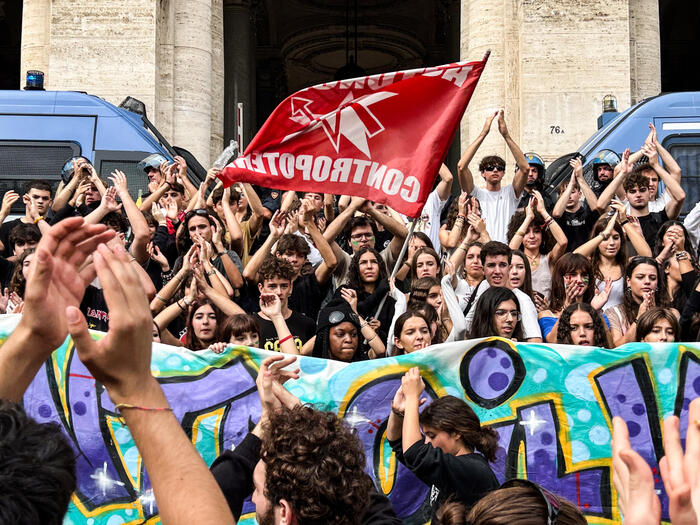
(381, 137)
(552, 407)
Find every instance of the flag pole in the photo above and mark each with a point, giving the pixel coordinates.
(398, 263)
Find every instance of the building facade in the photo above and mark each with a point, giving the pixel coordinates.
(192, 61)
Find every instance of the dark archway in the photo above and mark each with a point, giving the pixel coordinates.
(680, 41)
(302, 42)
(10, 43)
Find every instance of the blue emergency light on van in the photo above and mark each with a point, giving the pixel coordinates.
(41, 130)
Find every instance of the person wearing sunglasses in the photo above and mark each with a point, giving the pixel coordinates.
(497, 314)
(498, 203)
(516, 501)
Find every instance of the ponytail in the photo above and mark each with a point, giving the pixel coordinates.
(488, 443)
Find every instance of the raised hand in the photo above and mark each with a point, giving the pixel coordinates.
(350, 296)
(577, 166)
(602, 296)
(487, 125)
(540, 202)
(57, 278)
(272, 371)
(8, 200)
(278, 222)
(412, 383)
(120, 183)
(270, 305)
(633, 480)
(157, 213)
(502, 128)
(651, 153)
(124, 373)
(109, 200)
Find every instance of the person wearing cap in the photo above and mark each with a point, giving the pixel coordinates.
(342, 335)
(535, 182)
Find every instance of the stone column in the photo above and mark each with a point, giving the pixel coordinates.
(239, 56)
(36, 23)
(217, 78)
(645, 49)
(483, 27)
(192, 63)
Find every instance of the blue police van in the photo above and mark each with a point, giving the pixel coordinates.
(676, 117)
(40, 130)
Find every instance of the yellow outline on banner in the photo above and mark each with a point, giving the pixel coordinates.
(427, 374)
(110, 420)
(386, 476)
(599, 398)
(136, 504)
(219, 414)
(564, 437)
(62, 383)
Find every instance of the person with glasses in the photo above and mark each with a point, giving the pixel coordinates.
(361, 231)
(498, 203)
(343, 335)
(495, 260)
(445, 445)
(497, 314)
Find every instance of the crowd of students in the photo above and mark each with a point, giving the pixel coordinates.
(313, 274)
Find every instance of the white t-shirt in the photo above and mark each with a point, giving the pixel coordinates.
(429, 220)
(497, 207)
(531, 328)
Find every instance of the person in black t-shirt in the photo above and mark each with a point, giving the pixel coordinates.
(37, 195)
(275, 277)
(310, 288)
(576, 218)
(635, 182)
(447, 459)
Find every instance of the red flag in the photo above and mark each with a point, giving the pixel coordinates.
(381, 137)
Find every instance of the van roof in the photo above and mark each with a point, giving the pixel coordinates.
(60, 102)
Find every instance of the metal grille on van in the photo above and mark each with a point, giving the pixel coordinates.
(23, 161)
(35, 160)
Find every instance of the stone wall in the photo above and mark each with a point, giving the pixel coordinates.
(551, 65)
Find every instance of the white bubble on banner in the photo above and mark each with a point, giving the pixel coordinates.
(599, 435)
(540, 375)
(579, 451)
(665, 376)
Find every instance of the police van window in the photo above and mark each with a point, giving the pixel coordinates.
(136, 179)
(687, 156)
